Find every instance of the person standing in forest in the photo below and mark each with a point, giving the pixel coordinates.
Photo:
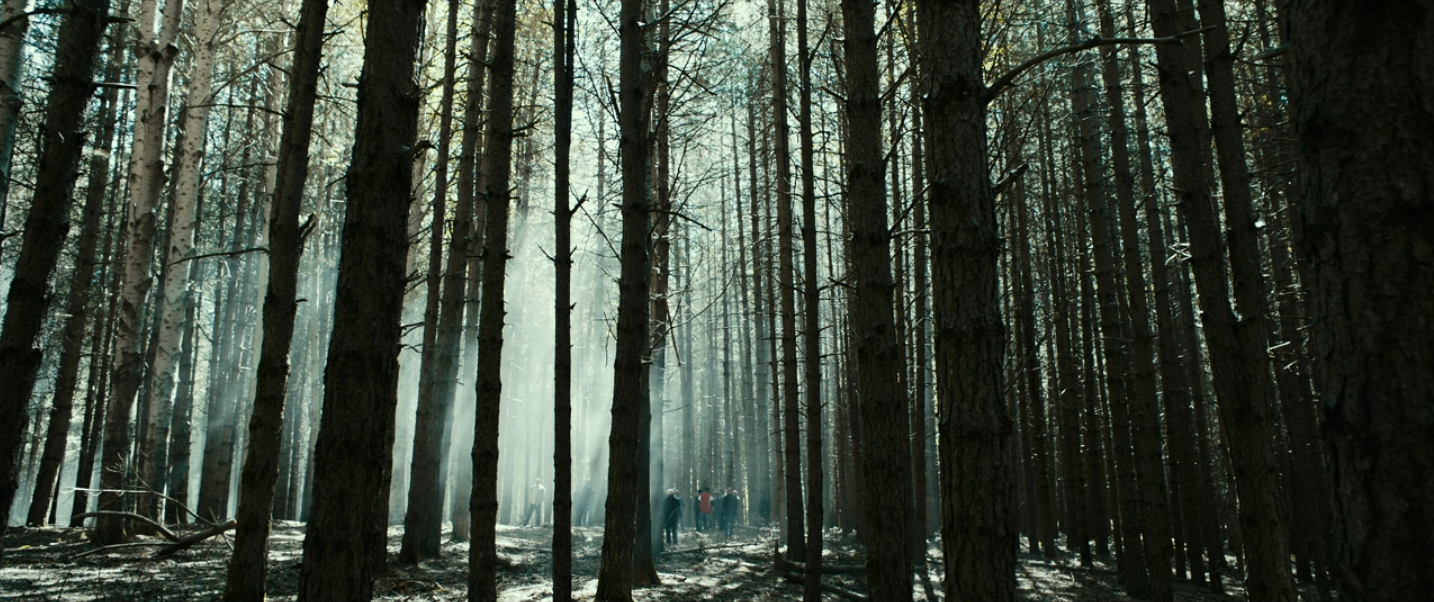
(731, 508)
(671, 516)
(537, 498)
(704, 509)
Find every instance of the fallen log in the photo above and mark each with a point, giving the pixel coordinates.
(188, 541)
(829, 588)
(173, 543)
(827, 569)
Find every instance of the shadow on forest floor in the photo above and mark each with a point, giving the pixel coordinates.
(39, 565)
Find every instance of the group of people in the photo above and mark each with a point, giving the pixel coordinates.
(725, 509)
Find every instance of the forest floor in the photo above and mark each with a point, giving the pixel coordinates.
(40, 564)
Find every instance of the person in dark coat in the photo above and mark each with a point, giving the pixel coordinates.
(672, 514)
(731, 507)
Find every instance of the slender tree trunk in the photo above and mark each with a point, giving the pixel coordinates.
(811, 591)
(12, 46)
(565, 28)
(45, 229)
(630, 390)
(247, 572)
(886, 458)
(156, 52)
(482, 550)
(77, 304)
(1239, 362)
(423, 525)
(1143, 403)
(791, 452)
(1362, 120)
(353, 454)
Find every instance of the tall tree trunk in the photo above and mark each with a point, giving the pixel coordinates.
(469, 181)
(28, 299)
(174, 281)
(1143, 403)
(1366, 144)
(156, 52)
(497, 160)
(791, 452)
(811, 591)
(12, 47)
(978, 499)
(353, 453)
(565, 34)
(630, 390)
(423, 525)
(886, 458)
(1239, 362)
(246, 576)
(77, 308)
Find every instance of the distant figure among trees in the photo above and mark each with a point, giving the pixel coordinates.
(731, 506)
(537, 500)
(671, 516)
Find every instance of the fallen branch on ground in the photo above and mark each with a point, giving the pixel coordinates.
(827, 587)
(174, 543)
(828, 569)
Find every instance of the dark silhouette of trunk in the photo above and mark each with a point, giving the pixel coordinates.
(423, 525)
(469, 180)
(565, 35)
(886, 453)
(761, 356)
(77, 308)
(1366, 144)
(353, 456)
(811, 591)
(791, 442)
(28, 300)
(1114, 331)
(497, 161)
(1143, 404)
(1239, 362)
(630, 391)
(1189, 489)
(978, 501)
(258, 478)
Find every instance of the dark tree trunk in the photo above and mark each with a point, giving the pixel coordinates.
(1366, 139)
(77, 304)
(29, 297)
(565, 28)
(351, 460)
(886, 455)
(812, 369)
(423, 525)
(978, 500)
(247, 571)
(497, 161)
(1143, 403)
(791, 444)
(1239, 362)
(630, 390)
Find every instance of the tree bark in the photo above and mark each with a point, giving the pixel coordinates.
(812, 340)
(247, 573)
(352, 455)
(565, 34)
(978, 493)
(886, 453)
(1366, 144)
(630, 390)
(497, 160)
(45, 229)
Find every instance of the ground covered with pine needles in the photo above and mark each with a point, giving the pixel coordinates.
(42, 564)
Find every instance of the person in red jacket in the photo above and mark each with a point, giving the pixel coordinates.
(704, 510)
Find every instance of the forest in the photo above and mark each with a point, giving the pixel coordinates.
(717, 300)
